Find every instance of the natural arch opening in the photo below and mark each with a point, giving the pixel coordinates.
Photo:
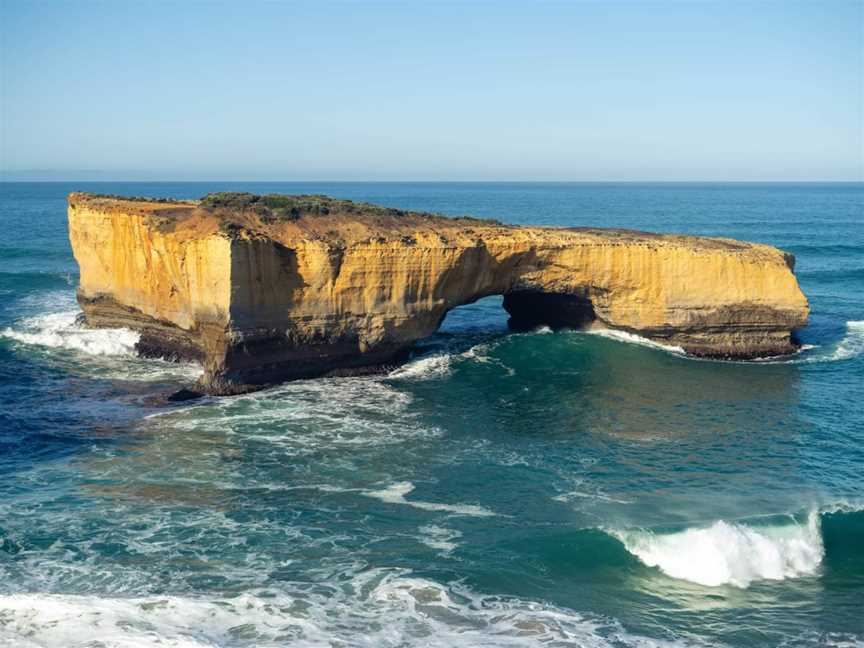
(485, 315)
(519, 311)
(529, 309)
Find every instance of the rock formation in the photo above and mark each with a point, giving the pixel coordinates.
(271, 288)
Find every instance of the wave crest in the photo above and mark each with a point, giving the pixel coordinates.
(729, 553)
(852, 344)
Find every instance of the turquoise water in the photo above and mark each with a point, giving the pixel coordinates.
(554, 489)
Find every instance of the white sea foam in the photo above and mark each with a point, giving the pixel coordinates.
(395, 494)
(432, 366)
(303, 417)
(597, 496)
(62, 331)
(110, 353)
(852, 344)
(632, 338)
(815, 638)
(480, 353)
(376, 608)
(439, 365)
(439, 538)
(842, 506)
(727, 553)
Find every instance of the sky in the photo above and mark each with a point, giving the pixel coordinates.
(570, 91)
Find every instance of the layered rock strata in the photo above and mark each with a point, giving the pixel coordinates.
(265, 289)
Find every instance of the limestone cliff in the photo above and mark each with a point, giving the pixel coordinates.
(262, 289)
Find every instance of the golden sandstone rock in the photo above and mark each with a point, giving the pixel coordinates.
(263, 289)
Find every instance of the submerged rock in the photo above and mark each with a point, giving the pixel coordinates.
(269, 288)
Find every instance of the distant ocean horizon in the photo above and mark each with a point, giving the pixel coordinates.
(61, 177)
(499, 489)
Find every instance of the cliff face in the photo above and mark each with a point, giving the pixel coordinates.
(315, 286)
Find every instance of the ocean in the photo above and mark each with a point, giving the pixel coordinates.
(499, 489)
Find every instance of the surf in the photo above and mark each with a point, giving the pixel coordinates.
(740, 553)
(410, 611)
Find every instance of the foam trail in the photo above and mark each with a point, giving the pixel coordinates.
(727, 553)
(395, 494)
(632, 338)
(439, 538)
(422, 368)
(598, 496)
(850, 346)
(62, 331)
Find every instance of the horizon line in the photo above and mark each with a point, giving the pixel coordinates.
(428, 181)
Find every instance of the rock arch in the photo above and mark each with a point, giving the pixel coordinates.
(262, 299)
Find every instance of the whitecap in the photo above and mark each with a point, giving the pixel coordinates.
(395, 494)
(730, 553)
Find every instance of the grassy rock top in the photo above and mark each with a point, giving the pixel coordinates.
(292, 207)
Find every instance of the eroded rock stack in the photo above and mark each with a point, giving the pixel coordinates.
(269, 288)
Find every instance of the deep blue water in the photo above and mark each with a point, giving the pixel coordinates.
(555, 489)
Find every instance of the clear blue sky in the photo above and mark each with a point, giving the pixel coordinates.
(433, 90)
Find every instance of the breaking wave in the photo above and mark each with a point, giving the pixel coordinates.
(62, 331)
(852, 344)
(731, 553)
(104, 353)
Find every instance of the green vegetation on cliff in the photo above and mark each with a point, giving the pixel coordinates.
(232, 210)
(272, 207)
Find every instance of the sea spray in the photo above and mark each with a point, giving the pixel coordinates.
(63, 331)
(731, 553)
